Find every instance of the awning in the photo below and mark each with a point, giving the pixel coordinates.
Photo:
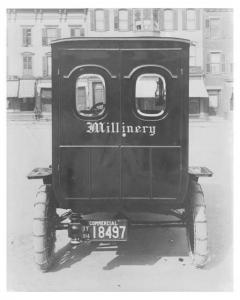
(26, 88)
(197, 89)
(12, 88)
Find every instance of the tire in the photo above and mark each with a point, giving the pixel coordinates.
(44, 233)
(197, 226)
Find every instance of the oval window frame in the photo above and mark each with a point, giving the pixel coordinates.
(103, 80)
(138, 111)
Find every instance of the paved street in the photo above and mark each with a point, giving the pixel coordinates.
(152, 259)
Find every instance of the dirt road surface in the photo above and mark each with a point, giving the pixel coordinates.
(152, 259)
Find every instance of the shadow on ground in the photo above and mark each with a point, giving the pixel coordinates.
(144, 247)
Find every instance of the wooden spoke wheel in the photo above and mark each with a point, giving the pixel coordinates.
(44, 233)
(197, 225)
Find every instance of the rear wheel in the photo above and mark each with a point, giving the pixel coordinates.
(44, 233)
(197, 225)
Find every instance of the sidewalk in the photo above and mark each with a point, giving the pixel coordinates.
(27, 116)
(47, 116)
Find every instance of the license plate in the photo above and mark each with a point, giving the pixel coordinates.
(107, 230)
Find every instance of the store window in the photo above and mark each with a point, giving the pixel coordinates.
(194, 106)
(123, 19)
(77, 31)
(191, 15)
(27, 36)
(90, 95)
(213, 101)
(168, 19)
(150, 95)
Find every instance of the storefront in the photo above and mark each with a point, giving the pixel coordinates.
(13, 103)
(26, 94)
(198, 98)
(44, 95)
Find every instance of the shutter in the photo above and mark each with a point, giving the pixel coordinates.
(24, 37)
(207, 28)
(130, 20)
(72, 33)
(92, 20)
(155, 19)
(198, 20)
(161, 19)
(184, 19)
(106, 16)
(208, 64)
(175, 19)
(44, 37)
(58, 33)
(223, 62)
(44, 66)
(116, 20)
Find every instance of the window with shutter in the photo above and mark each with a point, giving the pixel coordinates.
(223, 62)
(77, 32)
(155, 19)
(192, 56)
(130, 20)
(106, 19)
(27, 37)
(27, 65)
(44, 37)
(123, 19)
(116, 20)
(184, 19)
(191, 18)
(168, 19)
(44, 66)
(175, 19)
(217, 63)
(161, 19)
(92, 20)
(99, 20)
(214, 28)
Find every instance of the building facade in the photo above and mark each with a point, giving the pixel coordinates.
(30, 32)
(218, 59)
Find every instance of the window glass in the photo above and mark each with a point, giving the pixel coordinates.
(90, 95)
(99, 19)
(191, 19)
(123, 19)
(168, 19)
(150, 95)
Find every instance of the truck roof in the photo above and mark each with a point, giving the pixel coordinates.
(145, 38)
